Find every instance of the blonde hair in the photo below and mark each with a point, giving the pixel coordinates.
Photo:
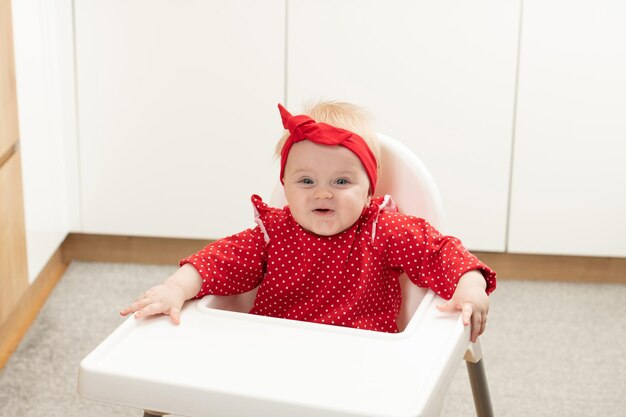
(343, 115)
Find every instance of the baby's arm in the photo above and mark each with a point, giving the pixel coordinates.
(168, 297)
(471, 298)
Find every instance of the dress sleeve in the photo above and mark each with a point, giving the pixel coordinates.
(232, 265)
(429, 258)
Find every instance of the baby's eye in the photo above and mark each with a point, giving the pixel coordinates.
(307, 181)
(342, 181)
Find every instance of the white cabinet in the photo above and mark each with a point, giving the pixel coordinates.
(177, 110)
(177, 113)
(44, 69)
(439, 76)
(569, 180)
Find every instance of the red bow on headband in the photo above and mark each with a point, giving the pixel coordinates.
(302, 127)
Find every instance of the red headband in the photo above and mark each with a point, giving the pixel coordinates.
(302, 127)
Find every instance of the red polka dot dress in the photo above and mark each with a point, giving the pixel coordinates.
(348, 279)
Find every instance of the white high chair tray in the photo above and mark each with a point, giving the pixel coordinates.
(223, 363)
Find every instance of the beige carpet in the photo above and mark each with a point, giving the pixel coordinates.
(551, 349)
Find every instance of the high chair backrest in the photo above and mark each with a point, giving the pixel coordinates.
(405, 177)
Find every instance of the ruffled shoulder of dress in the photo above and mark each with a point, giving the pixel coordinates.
(386, 203)
(266, 216)
(379, 205)
(258, 204)
(262, 209)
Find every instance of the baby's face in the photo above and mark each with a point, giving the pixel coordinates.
(326, 187)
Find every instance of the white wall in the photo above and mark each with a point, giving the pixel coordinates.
(45, 93)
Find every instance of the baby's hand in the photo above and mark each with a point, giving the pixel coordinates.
(166, 298)
(470, 297)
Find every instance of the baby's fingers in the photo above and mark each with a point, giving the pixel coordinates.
(483, 323)
(150, 310)
(448, 306)
(479, 324)
(466, 313)
(175, 315)
(136, 306)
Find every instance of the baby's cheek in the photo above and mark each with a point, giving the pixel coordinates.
(298, 218)
(353, 217)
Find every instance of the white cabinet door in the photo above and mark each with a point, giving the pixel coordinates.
(569, 180)
(177, 113)
(439, 76)
(44, 65)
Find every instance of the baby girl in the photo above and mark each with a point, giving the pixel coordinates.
(334, 254)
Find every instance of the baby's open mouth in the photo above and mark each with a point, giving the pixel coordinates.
(323, 211)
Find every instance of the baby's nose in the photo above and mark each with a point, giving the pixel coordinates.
(323, 194)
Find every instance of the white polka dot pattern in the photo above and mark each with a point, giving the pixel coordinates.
(349, 279)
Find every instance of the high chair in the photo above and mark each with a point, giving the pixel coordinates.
(223, 362)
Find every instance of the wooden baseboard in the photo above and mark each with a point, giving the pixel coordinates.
(583, 269)
(128, 249)
(17, 323)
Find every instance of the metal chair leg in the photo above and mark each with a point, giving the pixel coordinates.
(480, 389)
